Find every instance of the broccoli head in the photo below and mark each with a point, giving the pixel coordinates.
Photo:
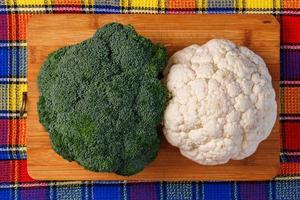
(101, 100)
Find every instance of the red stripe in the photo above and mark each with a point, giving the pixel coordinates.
(3, 27)
(14, 171)
(291, 136)
(12, 132)
(290, 27)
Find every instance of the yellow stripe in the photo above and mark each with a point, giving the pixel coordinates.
(124, 3)
(14, 94)
(89, 2)
(277, 4)
(162, 4)
(144, 4)
(259, 4)
(26, 2)
(202, 4)
(238, 4)
(44, 2)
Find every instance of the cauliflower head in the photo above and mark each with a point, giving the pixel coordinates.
(223, 103)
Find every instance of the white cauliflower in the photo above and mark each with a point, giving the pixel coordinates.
(223, 103)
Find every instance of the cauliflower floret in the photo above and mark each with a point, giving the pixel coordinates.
(223, 103)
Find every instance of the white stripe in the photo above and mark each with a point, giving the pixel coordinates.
(197, 191)
(41, 184)
(235, 191)
(290, 46)
(291, 12)
(107, 182)
(13, 44)
(161, 190)
(63, 8)
(270, 190)
(290, 82)
(289, 118)
(12, 115)
(202, 192)
(143, 11)
(13, 79)
(290, 153)
(13, 149)
(16, 191)
(260, 11)
(267, 11)
(291, 177)
(23, 9)
(92, 190)
(125, 190)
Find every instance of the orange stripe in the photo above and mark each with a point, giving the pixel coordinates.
(289, 169)
(17, 24)
(16, 132)
(291, 100)
(181, 4)
(68, 2)
(293, 4)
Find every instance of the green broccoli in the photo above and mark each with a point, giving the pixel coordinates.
(101, 100)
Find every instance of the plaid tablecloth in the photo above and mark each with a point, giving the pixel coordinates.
(15, 182)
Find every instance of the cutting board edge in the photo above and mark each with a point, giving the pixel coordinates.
(140, 179)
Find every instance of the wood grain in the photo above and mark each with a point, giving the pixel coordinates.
(48, 33)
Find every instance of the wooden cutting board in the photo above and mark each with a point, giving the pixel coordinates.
(48, 33)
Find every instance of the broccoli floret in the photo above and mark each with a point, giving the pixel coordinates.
(101, 100)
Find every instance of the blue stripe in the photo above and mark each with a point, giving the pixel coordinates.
(280, 190)
(83, 193)
(282, 61)
(194, 186)
(164, 187)
(6, 117)
(2, 8)
(220, 10)
(157, 189)
(8, 112)
(17, 60)
(290, 64)
(13, 61)
(54, 192)
(9, 61)
(4, 62)
(273, 195)
(108, 191)
(12, 82)
(12, 155)
(11, 146)
(217, 190)
(267, 189)
(109, 7)
(290, 158)
(6, 193)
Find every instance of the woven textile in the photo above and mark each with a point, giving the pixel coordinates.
(15, 182)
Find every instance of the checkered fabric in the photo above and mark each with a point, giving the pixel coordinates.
(15, 182)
